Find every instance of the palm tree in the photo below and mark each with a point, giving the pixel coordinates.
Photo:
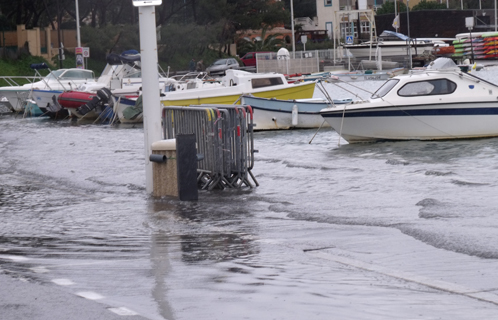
(271, 42)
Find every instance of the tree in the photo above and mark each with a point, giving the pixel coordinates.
(388, 7)
(272, 42)
(428, 5)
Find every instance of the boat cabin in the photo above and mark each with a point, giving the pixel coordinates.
(253, 80)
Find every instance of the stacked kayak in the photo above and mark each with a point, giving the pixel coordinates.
(490, 41)
(484, 46)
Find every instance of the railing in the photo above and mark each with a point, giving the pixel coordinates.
(15, 80)
(224, 135)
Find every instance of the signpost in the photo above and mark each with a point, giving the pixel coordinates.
(143, 3)
(80, 64)
(469, 23)
(150, 82)
(304, 39)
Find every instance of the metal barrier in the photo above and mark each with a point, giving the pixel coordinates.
(224, 135)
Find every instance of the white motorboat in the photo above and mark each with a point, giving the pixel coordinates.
(122, 75)
(440, 102)
(55, 80)
(395, 44)
(274, 114)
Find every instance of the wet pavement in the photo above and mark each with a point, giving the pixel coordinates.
(389, 230)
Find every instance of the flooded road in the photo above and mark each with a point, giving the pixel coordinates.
(393, 230)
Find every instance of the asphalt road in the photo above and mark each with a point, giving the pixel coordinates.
(22, 299)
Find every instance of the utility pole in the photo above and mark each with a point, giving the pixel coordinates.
(59, 38)
(292, 30)
(78, 24)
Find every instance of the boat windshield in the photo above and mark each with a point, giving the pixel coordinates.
(385, 88)
(70, 75)
(266, 82)
(54, 74)
(78, 74)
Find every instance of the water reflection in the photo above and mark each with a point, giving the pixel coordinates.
(213, 229)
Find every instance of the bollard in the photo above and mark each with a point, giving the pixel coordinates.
(187, 167)
(164, 168)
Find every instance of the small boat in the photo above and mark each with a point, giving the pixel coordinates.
(395, 44)
(228, 90)
(440, 102)
(362, 75)
(274, 114)
(237, 83)
(307, 76)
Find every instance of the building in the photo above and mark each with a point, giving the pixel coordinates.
(357, 18)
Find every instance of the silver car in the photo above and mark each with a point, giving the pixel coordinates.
(221, 65)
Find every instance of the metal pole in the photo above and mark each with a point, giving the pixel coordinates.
(408, 17)
(395, 15)
(471, 44)
(495, 16)
(150, 86)
(292, 30)
(59, 20)
(78, 24)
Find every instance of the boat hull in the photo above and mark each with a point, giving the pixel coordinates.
(272, 114)
(45, 98)
(16, 98)
(230, 95)
(416, 122)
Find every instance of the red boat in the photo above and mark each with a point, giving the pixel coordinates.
(75, 99)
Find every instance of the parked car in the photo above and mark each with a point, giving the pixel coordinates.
(249, 59)
(221, 65)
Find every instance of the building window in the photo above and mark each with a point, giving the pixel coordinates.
(347, 29)
(328, 3)
(365, 27)
(328, 26)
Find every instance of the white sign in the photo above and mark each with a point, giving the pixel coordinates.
(349, 39)
(469, 22)
(304, 39)
(141, 3)
(86, 52)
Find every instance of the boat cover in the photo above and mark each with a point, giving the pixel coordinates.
(38, 66)
(127, 57)
(442, 63)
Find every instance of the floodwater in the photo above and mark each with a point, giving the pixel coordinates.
(391, 230)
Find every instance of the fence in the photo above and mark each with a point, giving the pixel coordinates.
(302, 61)
(224, 135)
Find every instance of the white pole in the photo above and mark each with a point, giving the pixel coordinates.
(292, 30)
(495, 16)
(395, 14)
(461, 4)
(150, 86)
(78, 24)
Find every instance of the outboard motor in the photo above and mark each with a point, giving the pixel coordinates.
(103, 96)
